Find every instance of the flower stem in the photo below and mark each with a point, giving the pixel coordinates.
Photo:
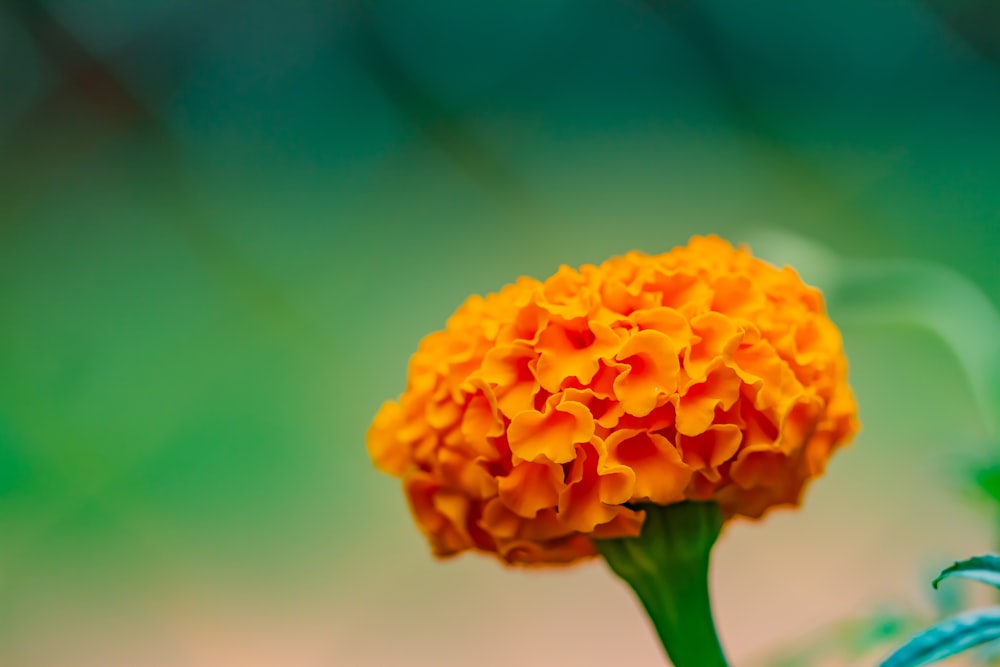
(667, 566)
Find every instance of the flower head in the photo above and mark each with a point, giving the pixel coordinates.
(536, 420)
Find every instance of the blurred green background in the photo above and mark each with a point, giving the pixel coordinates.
(224, 226)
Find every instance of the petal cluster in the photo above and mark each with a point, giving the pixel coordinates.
(541, 414)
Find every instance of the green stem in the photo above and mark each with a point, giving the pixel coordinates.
(667, 566)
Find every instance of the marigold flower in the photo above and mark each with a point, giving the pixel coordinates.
(542, 414)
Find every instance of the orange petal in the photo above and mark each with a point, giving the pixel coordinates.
(499, 520)
(552, 434)
(759, 431)
(651, 367)
(683, 291)
(701, 488)
(813, 339)
(627, 523)
(717, 337)
(510, 371)
(566, 294)
(625, 294)
(668, 321)
(606, 411)
(531, 487)
(443, 412)
(696, 407)
(481, 421)
(434, 511)
(760, 365)
(594, 489)
(737, 295)
(573, 349)
(758, 467)
(459, 471)
(384, 446)
(556, 552)
(546, 525)
(801, 422)
(660, 475)
(707, 451)
(603, 383)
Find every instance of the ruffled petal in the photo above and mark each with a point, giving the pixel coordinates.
(384, 447)
(593, 490)
(573, 349)
(551, 434)
(649, 371)
(696, 408)
(660, 474)
(510, 371)
(709, 450)
(716, 338)
(530, 487)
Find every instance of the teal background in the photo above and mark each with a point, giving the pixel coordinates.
(225, 226)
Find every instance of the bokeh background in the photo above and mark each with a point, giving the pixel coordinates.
(224, 226)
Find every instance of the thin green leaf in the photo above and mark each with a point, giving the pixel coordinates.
(947, 638)
(979, 568)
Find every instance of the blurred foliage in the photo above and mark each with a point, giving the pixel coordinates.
(854, 641)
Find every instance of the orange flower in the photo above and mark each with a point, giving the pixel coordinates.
(536, 419)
